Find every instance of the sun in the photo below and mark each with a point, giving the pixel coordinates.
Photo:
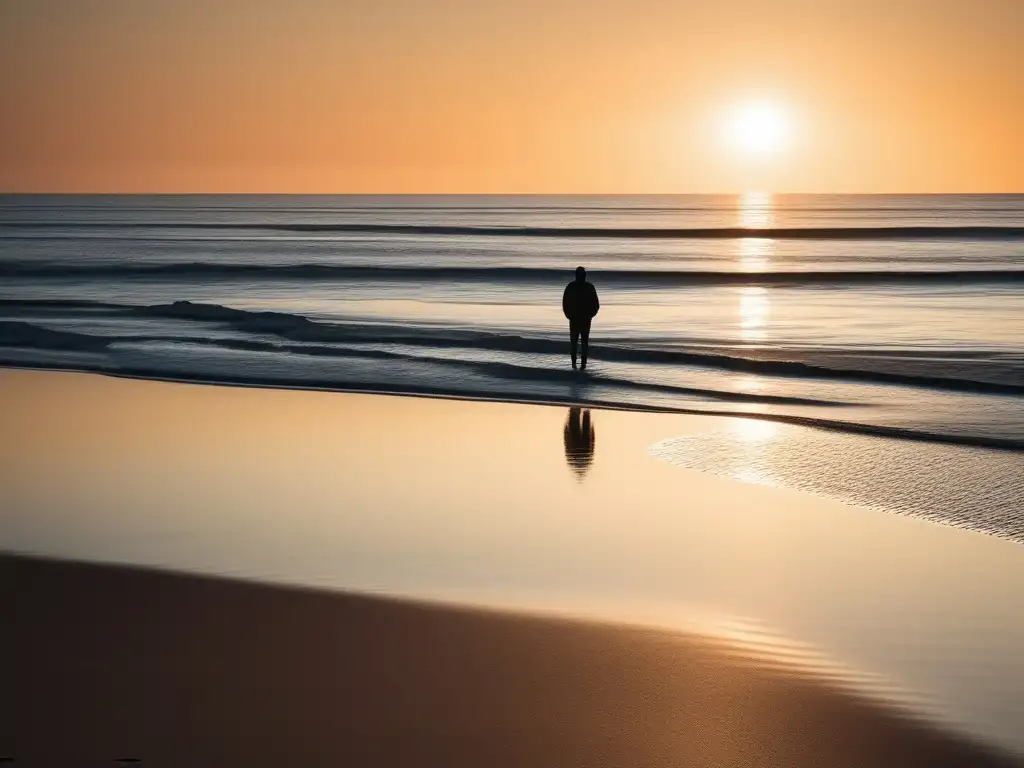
(758, 129)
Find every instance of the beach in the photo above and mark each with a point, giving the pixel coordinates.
(213, 575)
(512, 385)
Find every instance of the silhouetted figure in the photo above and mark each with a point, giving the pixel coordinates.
(579, 305)
(579, 441)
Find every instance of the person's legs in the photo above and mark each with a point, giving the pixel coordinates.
(584, 329)
(574, 334)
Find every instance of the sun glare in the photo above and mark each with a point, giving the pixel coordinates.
(758, 129)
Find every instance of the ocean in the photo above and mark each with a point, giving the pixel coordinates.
(899, 316)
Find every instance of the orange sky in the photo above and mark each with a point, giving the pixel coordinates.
(507, 96)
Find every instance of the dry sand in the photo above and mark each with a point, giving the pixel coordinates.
(100, 663)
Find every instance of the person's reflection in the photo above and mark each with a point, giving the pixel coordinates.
(579, 441)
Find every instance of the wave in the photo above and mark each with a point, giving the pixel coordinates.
(15, 333)
(19, 334)
(213, 270)
(914, 232)
(297, 328)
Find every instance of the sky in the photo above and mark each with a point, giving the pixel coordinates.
(511, 96)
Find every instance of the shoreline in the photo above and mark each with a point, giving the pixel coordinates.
(1010, 445)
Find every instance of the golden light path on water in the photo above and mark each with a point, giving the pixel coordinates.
(753, 437)
(754, 254)
(754, 309)
(756, 210)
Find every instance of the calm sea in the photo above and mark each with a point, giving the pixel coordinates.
(897, 315)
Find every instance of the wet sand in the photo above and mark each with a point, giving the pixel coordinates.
(102, 663)
(738, 620)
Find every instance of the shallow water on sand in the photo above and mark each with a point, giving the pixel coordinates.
(974, 488)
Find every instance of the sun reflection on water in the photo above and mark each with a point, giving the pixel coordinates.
(755, 211)
(753, 430)
(755, 254)
(754, 308)
(751, 384)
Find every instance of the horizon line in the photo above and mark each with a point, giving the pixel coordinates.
(738, 193)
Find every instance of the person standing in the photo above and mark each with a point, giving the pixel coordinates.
(579, 305)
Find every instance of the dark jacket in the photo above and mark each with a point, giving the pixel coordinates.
(579, 302)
